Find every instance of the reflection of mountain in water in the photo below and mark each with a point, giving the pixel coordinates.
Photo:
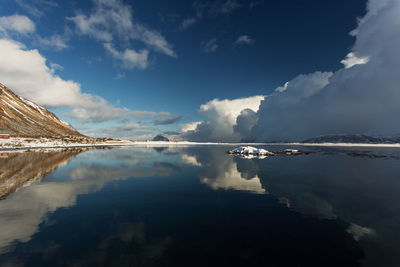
(21, 169)
(22, 212)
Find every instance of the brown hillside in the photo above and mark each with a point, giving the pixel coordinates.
(22, 118)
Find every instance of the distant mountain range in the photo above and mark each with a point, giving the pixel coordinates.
(22, 118)
(354, 138)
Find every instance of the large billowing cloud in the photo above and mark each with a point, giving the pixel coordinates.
(277, 118)
(221, 118)
(362, 97)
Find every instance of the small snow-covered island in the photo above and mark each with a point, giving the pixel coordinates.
(250, 152)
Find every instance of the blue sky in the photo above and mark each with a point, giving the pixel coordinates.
(197, 51)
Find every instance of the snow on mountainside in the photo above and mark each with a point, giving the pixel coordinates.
(354, 138)
(22, 118)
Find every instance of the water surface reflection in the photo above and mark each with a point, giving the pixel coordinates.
(22, 213)
(198, 206)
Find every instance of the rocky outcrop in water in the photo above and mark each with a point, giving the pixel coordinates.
(160, 138)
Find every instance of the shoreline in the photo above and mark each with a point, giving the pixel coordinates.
(19, 144)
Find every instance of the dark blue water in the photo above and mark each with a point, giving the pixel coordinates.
(198, 206)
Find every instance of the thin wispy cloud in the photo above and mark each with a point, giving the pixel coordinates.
(129, 130)
(203, 9)
(129, 58)
(224, 7)
(188, 22)
(210, 46)
(21, 26)
(217, 7)
(112, 22)
(55, 41)
(119, 76)
(244, 40)
(32, 9)
(168, 121)
(254, 4)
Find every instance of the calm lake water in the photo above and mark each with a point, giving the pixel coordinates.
(198, 206)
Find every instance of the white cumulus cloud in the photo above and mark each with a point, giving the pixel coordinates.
(55, 41)
(352, 60)
(17, 23)
(220, 119)
(129, 57)
(190, 126)
(361, 98)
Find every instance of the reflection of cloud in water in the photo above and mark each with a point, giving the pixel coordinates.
(191, 160)
(22, 212)
(125, 232)
(125, 155)
(231, 179)
(310, 204)
(221, 172)
(167, 166)
(359, 232)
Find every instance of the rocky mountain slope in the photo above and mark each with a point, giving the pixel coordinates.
(22, 118)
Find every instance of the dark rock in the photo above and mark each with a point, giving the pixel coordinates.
(161, 138)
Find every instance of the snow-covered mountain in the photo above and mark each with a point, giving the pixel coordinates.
(354, 138)
(22, 118)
